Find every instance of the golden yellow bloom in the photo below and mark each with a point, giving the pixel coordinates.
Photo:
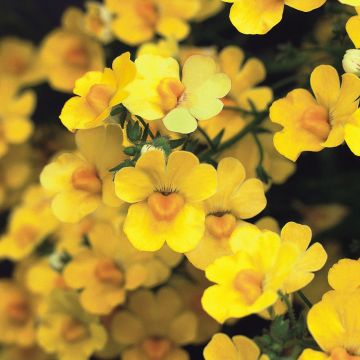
(310, 259)
(179, 103)
(145, 18)
(67, 331)
(167, 47)
(81, 181)
(18, 170)
(259, 17)
(353, 28)
(154, 326)
(97, 92)
(17, 317)
(190, 291)
(345, 275)
(97, 21)
(236, 199)
(246, 150)
(28, 226)
(21, 353)
(15, 112)
(208, 9)
(19, 61)
(106, 271)
(311, 124)
(322, 217)
(351, 2)
(248, 281)
(166, 200)
(236, 348)
(67, 54)
(334, 324)
(263, 264)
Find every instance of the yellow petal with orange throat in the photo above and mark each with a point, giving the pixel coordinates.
(182, 231)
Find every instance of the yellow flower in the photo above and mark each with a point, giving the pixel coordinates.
(334, 324)
(310, 259)
(21, 353)
(236, 348)
(106, 271)
(19, 61)
(351, 2)
(81, 181)
(18, 170)
(322, 217)
(246, 150)
(245, 76)
(248, 281)
(66, 330)
(154, 326)
(353, 28)
(236, 199)
(262, 265)
(345, 275)
(311, 124)
(179, 103)
(167, 47)
(97, 21)
(145, 18)
(259, 17)
(15, 111)
(190, 291)
(41, 279)
(17, 316)
(166, 201)
(28, 226)
(67, 54)
(208, 9)
(97, 92)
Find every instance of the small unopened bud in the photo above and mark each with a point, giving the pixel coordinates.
(351, 61)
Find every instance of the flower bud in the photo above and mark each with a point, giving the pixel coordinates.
(351, 61)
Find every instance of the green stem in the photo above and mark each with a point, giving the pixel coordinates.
(285, 81)
(144, 124)
(305, 299)
(206, 136)
(260, 148)
(238, 109)
(291, 312)
(260, 117)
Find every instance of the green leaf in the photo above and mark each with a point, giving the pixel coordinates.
(280, 328)
(133, 131)
(217, 139)
(177, 143)
(126, 163)
(120, 112)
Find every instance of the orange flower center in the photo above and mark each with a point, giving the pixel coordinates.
(165, 207)
(147, 11)
(99, 97)
(170, 91)
(316, 121)
(59, 283)
(249, 283)
(26, 235)
(106, 271)
(93, 22)
(73, 331)
(86, 179)
(156, 349)
(222, 226)
(16, 65)
(342, 354)
(77, 56)
(18, 310)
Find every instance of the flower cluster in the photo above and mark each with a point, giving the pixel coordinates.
(148, 220)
